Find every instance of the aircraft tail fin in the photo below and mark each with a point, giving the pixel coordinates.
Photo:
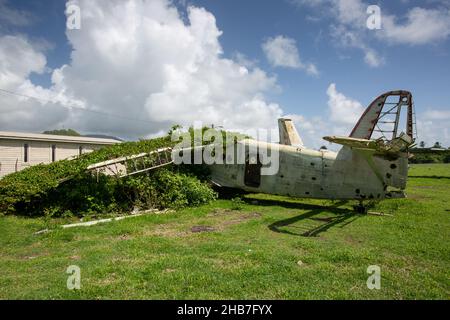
(382, 138)
(384, 116)
(288, 134)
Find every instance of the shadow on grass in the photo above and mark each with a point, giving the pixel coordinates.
(429, 177)
(311, 224)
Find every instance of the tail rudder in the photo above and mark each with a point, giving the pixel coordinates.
(380, 139)
(383, 116)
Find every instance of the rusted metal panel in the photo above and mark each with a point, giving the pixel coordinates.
(381, 107)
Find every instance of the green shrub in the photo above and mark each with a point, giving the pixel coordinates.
(65, 188)
(237, 203)
(430, 156)
(447, 158)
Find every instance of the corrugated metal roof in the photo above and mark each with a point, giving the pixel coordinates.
(54, 138)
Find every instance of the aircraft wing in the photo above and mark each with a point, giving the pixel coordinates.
(399, 144)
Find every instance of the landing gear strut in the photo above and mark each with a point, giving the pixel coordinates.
(361, 208)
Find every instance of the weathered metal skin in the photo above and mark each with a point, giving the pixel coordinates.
(363, 169)
(288, 134)
(321, 174)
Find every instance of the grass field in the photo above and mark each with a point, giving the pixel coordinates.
(264, 248)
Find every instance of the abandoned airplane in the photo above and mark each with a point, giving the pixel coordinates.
(364, 168)
(372, 163)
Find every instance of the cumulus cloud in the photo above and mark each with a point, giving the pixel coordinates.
(18, 59)
(372, 58)
(422, 26)
(138, 60)
(339, 119)
(348, 27)
(343, 113)
(14, 17)
(243, 60)
(311, 129)
(433, 130)
(419, 26)
(282, 51)
(347, 37)
(436, 114)
(343, 110)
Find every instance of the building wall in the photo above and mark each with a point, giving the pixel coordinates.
(12, 153)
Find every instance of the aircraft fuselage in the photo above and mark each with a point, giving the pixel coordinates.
(306, 173)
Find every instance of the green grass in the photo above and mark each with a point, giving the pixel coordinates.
(253, 252)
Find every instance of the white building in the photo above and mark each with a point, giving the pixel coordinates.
(21, 150)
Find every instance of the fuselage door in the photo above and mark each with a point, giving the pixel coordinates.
(252, 176)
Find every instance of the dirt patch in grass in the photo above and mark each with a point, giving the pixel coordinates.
(108, 280)
(251, 215)
(33, 256)
(197, 229)
(221, 212)
(218, 220)
(230, 263)
(125, 237)
(166, 230)
(351, 240)
(417, 197)
(221, 219)
(239, 219)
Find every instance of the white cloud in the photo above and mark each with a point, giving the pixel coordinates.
(432, 131)
(372, 58)
(436, 114)
(244, 61)
(282, 51)
(419, 26)
(339, 119)
(348, 29)
(422, 26)
(14, 17)
(18, 59)
(311, 130)
(343, 110)
(140, 60)
(312, 3)
(348, 37)
(312, 69)
(351, 12)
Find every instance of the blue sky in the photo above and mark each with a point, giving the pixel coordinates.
(424, 70)
(407, 54)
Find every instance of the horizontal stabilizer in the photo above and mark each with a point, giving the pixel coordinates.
(396, 145)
